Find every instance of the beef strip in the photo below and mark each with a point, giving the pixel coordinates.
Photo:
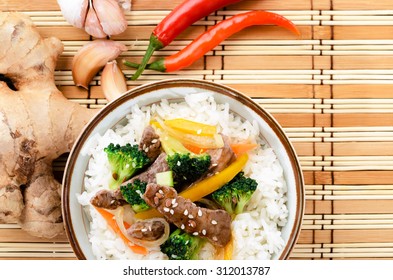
(215, 225)
(150, 143)
(148, 230)
(110, 199)
(220, 158)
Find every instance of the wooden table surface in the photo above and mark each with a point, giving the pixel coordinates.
(331, 90)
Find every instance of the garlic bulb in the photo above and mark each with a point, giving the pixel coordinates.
(99, 18)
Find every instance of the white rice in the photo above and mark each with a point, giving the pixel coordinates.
(256, 232)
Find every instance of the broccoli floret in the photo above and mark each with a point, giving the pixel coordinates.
(188, 167)
(132, 193)
(234, 195)
(182, 246)
(124, 162)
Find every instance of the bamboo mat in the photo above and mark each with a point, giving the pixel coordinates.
(331, 90)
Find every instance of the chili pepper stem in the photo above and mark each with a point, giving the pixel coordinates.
(131, 64)
(154, 45)
(157, 65)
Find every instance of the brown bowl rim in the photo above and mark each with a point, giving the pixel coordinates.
(170, 83)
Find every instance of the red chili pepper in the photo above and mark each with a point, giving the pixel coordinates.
(177, 21)
(214, 36)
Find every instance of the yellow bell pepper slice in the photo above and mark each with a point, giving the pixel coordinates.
(204, 187)
(228, 250)
(198, 135)
(191, 127)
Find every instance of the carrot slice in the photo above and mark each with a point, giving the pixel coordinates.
(110, 219)
(194, 149)
(242, 148)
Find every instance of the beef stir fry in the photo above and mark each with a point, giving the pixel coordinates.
(157, 182)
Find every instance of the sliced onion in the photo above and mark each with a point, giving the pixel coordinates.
(120, 216)
(128, 215)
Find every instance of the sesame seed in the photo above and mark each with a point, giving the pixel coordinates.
(185, 212)
(147, 150)
(199, 131)
(178, 163)
(215, 238)
(204, 231)
(154, 141)
(183, 226)
(214, 222)
(173, 201)
(133, 164)
(160, 191)
(144, 146)
(172, 211)
(166, 209)
(175, 205)
(174, 256)
(156, 200)
(112, 201)
(200, 213)
(195, 233)
(192, 223)
(190, 216)
(144, 230)
(188, 241)
(214, 164)
(127, 165)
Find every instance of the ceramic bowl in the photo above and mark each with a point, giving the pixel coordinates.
(76, 222)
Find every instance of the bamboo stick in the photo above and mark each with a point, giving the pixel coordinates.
(359, 187)
(356, 52)
(357, 23)
(359, 245)
(358, 128)
(358, 12)
(352, 227)
(358, 42)
(387, 17)
(357, 82)
(358, 139)
(267, 52)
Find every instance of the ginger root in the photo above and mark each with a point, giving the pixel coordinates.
(37, 125)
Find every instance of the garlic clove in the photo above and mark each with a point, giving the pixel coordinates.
(92, 57)
(92, 24)
(113, 82)
(74, 11)
(111, 16)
